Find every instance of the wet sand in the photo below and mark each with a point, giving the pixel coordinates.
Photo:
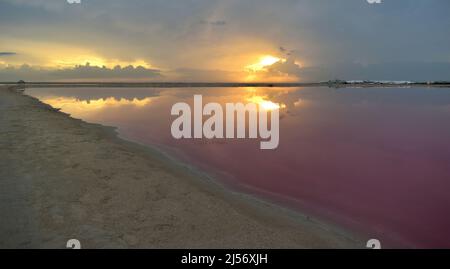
(62, 178)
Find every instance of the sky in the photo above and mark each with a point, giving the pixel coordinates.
(224, 40)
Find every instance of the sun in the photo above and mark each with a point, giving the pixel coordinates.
(269, 60)
(264, 61)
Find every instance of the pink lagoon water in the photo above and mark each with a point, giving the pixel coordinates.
(373, 160)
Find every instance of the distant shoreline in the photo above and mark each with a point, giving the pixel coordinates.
(331, 84)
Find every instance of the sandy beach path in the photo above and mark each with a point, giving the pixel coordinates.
(61, 178)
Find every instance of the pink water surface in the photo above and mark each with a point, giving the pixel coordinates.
(376, 161)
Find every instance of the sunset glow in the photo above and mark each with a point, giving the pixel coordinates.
(264, 61)
(224, 125)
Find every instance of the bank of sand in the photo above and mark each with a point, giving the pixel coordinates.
(62, 178)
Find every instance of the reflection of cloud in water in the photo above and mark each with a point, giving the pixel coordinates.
(81, 107)
(298, 103)
(92, 93)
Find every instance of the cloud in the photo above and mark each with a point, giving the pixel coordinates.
(88, 71)
(204, 75)
(285, 51)
(233, 34)
(407, 71)
(50, 5)
(7, 53)
(79, 73)
(214, 23)
(285, 68)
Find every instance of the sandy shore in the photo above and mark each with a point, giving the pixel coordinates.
(61, 178)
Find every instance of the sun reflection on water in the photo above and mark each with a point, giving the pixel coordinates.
(264, 103)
